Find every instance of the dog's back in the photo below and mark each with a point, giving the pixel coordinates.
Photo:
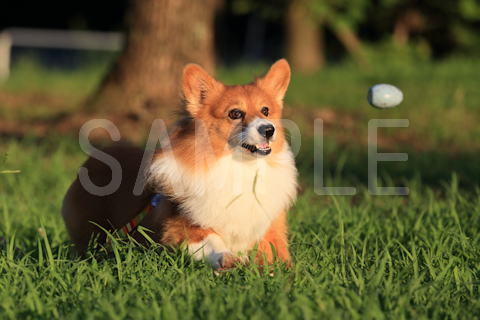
(81, 208)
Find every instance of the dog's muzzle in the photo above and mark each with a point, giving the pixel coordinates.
(263, 132)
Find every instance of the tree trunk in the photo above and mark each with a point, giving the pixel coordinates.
(162, 37)
(305, 44)
(411, 20)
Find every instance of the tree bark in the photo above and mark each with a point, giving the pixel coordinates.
(162, 37)
(411, 20)
(305, 43)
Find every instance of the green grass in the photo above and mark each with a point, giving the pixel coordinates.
(28, 75)
(357, 257)
(441, 98)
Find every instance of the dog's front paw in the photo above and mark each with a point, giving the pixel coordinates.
(225, 260)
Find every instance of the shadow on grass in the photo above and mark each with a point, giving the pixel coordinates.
(431, 168)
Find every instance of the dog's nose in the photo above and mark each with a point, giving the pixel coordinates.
(266, 130)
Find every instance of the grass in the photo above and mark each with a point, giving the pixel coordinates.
(441, 100)
(8, 171)
(29, 75)
(356, 257)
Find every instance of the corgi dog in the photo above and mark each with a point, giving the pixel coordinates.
(225, 177)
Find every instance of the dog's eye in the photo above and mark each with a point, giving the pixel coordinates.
(235, 114)
(265, 111)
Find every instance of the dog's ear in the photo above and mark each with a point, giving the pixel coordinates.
(276, 80)
(198, 86)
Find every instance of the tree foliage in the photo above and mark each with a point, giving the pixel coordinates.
(444, 27)
(338, 14)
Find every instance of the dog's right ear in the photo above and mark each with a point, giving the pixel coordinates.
(198, 87)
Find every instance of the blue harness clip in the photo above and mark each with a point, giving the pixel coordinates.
(156, 199)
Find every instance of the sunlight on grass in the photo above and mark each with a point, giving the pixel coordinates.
(441, 100)
(355, 257)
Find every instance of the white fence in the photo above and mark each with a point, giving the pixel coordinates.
(62, 39)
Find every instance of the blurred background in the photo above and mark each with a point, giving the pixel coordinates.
(63, 63)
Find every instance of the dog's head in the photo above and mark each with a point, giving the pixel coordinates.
(247, 117)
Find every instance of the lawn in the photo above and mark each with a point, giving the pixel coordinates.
(355, 257)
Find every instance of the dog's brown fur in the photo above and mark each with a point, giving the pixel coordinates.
(82, 210)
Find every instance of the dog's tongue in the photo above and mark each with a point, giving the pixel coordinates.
(263, 145)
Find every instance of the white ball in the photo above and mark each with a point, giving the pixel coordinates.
(384, 96)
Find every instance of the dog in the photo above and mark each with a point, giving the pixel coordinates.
(222, 180)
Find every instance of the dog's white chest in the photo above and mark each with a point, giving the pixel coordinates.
(240, 197)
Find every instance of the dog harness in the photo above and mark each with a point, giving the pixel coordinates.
(125, 230)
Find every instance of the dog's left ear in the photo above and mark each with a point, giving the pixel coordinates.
(276, 80)
(198, 86)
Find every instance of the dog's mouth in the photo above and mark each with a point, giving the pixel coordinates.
(261, 148)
